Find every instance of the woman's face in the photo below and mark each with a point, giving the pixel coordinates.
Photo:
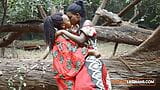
(74, 18)
(67, 23)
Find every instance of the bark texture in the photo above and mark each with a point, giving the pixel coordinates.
(127, 34)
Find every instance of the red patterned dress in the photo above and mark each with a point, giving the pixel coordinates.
(73, 69)
(68, 59)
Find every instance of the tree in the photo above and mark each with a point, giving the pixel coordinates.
(141, 62)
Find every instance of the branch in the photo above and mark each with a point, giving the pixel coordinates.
(125, 10)
(130, 6)
(41, 11)
(114, 18)
(96, 17)
(133, 17)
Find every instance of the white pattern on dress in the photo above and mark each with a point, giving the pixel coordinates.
(95, 69)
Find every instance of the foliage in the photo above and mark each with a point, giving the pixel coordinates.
(91, 6)
(149, 16)
(21, 10)
(150, 13)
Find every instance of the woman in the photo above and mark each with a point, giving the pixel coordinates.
(89, 77)
(75, 73)
(51, 25)
(68, 56)
(76, 14)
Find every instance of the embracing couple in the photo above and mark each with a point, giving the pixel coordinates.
(72, 41)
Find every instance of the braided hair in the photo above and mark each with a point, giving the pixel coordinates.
(51, 25)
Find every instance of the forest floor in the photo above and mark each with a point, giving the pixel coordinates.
(105, 49)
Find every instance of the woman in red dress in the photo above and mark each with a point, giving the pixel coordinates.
(68, 56)
(73, 69)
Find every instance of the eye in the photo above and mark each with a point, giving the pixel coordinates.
(69, 17)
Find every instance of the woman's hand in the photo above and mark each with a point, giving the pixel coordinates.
(60, 32)
(95, 53)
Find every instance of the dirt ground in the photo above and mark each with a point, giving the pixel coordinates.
(105, 49)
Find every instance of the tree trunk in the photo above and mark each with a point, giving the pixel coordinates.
(37, 75)
(22, 28)
(4, 5)
(123, 34)
(16, 31)
(5, 41)
(151, 44)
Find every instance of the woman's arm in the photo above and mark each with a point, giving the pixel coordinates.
(79, 39)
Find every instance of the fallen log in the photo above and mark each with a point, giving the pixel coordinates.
(112, 17)
(150, 44)
(127, 34)
(123, 34)
(22, 28)
(143, 62)
(31, 47)
(35, 75)
(8, 39)
(120, 14)
(16, 31)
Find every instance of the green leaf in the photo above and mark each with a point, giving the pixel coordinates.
(127, 1)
